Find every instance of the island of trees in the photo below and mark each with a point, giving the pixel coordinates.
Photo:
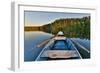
(72, 27)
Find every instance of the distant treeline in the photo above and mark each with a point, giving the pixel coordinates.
(72, 27)
(32, 28)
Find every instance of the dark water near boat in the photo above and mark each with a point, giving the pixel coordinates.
(32, 39)
(83, 42)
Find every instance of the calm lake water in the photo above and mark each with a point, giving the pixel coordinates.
(83, 42)
(32, 39)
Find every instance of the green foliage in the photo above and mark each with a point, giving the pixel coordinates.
(72, 27)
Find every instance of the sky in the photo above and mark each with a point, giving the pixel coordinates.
(37, 18)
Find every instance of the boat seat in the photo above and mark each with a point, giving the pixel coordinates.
(59, 53)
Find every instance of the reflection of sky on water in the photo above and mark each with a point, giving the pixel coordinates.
(32, 39)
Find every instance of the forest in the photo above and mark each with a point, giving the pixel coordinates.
(72, 27)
